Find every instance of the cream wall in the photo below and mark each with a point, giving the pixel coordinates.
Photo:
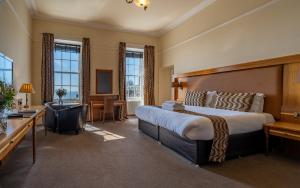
(15, 39)
(165, 81)
(221, 35)
(104, 50)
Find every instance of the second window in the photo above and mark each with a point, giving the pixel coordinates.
(67, 71)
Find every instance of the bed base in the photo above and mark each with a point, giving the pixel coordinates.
(198, 151)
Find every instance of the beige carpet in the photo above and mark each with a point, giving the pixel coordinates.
(118, 155)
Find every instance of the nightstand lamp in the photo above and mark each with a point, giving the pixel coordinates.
(26, 88)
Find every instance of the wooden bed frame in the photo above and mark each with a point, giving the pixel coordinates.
(266, 76)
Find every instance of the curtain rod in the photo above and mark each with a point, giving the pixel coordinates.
(65, 37)
(129, 44)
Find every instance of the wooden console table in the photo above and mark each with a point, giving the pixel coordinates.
(282, 129)
(17, 128)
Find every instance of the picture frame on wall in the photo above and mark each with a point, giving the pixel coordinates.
(104, 81)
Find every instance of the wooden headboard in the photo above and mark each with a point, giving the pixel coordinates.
(266, 76)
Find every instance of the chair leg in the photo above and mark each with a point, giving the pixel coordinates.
(113, 114)
(121, 113)
(45, 126)
(82, 127)
(103, 118)
(92, 114)
(45, 130)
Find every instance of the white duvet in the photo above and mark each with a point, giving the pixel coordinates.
(201, 128)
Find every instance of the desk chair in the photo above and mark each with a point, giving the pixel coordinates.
(108, 108)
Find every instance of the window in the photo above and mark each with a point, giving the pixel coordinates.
(67, 71)
(134, 75)
(6, 69)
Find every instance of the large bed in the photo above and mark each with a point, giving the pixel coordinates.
(192, 136)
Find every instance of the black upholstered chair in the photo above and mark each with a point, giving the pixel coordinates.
(50, 117)
(65, 118)
(68, 119)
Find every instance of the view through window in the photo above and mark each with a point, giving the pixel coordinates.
(67, 71)
(6, 69)
(134, 75)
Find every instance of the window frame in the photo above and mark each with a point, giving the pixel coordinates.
(139, 76)
(69, 73)
(6, 58)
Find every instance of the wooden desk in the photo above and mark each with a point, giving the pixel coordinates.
(100, 104)
(282, 129)
(17, 129)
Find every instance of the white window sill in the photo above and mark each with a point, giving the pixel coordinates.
(134, 100)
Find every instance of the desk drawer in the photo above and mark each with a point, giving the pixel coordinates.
(285, 134)
(4, 151)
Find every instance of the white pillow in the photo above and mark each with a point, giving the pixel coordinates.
(258, 103)
(211, 99)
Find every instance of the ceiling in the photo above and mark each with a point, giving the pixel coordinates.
(161, 15)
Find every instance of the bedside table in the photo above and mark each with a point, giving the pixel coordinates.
(283, 130)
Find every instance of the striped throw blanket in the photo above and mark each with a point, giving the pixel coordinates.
(221, 136)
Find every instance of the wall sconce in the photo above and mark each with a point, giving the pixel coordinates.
(177, 84)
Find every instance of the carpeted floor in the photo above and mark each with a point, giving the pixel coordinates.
(118, 155)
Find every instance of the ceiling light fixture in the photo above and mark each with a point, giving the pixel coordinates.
(140, 3)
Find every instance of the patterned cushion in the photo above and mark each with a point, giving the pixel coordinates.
(234, 101)
(195, 98)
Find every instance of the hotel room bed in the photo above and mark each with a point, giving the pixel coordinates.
(191, 135)
(245, 136)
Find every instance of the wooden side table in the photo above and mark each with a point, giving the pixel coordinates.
(282, 129)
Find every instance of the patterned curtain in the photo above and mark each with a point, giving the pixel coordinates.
(47, 67)
(86, 61)
(149, 75)
(122, 78)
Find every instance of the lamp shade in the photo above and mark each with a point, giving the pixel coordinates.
(26, 88)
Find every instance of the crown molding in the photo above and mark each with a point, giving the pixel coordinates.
(220, 25)
(31, 6)
(18, 17)
(178, 21)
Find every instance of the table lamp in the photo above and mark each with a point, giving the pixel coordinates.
(26, 88)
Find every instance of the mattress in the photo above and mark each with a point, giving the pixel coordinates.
(195, 127)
